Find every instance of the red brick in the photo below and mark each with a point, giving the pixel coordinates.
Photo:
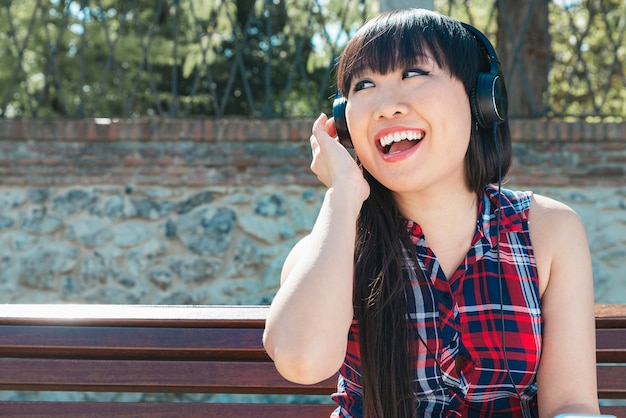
(134, 162)
(207, 133)
(123, 171)
(196, 182)
(150, 171)
(13, 180)
(175, 170)
(616, 159)
(612, 146)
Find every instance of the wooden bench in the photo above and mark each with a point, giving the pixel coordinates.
(187, 350)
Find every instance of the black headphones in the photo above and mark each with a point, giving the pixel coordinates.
(488, 99)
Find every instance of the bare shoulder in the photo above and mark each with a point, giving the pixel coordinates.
(553, 216)
(557, 235)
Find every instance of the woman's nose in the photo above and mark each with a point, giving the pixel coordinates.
(392, 102)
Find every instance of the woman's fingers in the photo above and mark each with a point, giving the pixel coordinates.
(319, 126)
(332, 163)
(331, 128)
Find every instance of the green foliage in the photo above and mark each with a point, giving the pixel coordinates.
(170, 57)
(588, 73)
(259, 58)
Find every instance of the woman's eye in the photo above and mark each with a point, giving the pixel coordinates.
(413, 72)
(363, 84)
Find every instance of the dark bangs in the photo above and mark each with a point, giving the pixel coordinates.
(393, 40)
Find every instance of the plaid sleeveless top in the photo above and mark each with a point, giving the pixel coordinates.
(459, 322)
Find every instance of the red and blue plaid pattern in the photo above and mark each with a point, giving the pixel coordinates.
(459, 320)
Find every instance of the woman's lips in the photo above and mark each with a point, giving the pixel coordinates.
(399, 141)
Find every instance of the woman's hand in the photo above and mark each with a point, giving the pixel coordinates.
(332, 163)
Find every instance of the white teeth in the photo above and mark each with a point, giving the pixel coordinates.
(399, 136)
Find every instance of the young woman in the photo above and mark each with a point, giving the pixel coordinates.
(432, 291)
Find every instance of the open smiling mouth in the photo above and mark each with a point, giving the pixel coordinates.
(400, 141)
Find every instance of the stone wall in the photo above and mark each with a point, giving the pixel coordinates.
(205, 211)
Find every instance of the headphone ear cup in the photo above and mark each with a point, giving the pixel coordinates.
(339, 115)
(484, 100)
(489, 99)
(475, 108)
(500, 98)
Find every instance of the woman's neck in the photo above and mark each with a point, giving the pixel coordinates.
(448, 222)
(441, 206)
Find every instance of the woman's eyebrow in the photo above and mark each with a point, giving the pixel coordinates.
(423, 59)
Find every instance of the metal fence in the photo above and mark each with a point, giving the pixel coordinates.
(268, 58)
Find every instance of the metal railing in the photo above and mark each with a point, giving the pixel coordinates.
(268, 58)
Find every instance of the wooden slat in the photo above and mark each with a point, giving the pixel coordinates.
(60, 341)
(150, 376)
(607, 316)
(161, 410)
(618, 411)
(182, 410)
(184, 343)
(610, 316)
(223, 316)
(208, 377)
(611, 345)
(612, 382)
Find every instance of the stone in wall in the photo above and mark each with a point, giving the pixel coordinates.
(207, 230)
(90, 232)
(114, 244)
(38, 268)
(39, 222)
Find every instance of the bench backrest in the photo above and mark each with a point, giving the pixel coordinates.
(187, 349)
(148, 349)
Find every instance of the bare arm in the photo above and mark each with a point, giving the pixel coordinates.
(308, 321)
(567, 372)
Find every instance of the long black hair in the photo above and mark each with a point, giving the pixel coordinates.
(386, 43)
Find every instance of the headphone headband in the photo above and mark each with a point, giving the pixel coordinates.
(489, 100)
(491, 51)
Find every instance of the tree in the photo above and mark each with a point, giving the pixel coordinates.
(588, 74)
(277, 56)
(523, 50)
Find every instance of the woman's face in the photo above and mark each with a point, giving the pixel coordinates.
(410, 128)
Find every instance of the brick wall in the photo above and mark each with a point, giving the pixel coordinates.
(156, 152)
(568, 154)
(241, 151)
